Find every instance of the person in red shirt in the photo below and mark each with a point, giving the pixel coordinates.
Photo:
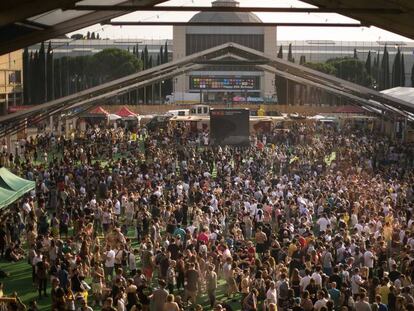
(203, 236)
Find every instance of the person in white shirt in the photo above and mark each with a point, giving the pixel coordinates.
(356, 282)
(304, 282)
(369, 258)
(323, 223)
(109, 262)
(317, 276)
(271, 294)
(321, 302)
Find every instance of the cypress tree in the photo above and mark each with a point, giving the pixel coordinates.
(49, 73)
(88, 35)
(302, 60)
(42, 73)
(280, 53)
(290, 54)
(57, 75)
(396, 70)
(35, 78)
(402, 70)
(385, 70)
(143, 60)
(166, 52)
(412, 76)
(355, 54)
(93, 36)
(137, 50)
(368, 63)
(161, 55)
(26, 78)
(133, 50)
(97, 36)
(147, 58)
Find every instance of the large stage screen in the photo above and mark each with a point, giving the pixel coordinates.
(229, 127)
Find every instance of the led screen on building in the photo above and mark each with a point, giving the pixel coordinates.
(224, 83)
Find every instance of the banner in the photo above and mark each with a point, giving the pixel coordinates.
(214, 171)
(330, 158)
(295, 158)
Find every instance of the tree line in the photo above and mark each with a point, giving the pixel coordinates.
(47, 78)
(373, 72)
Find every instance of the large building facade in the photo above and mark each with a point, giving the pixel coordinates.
(221, 83)
(11, 68)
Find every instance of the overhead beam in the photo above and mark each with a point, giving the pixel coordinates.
(62, 28)
(145, 23)
(28, 9)
(131, 8)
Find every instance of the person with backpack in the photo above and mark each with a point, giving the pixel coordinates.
(283, 291)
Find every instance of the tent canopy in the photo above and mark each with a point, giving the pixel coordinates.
(12, 187)
(125, 112)
(99, 110)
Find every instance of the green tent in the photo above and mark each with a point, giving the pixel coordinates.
(12, 187)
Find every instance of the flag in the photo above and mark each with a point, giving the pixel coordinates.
(177, 167)
(232, 163)
(295, 158)
(330, 158)
(214, 171)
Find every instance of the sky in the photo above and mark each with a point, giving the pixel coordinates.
(283, 33)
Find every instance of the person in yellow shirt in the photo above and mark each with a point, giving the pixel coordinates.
(383, 290)
(292, 248)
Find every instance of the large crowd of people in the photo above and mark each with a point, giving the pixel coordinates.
(307, 219)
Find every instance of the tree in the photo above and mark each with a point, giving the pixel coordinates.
(88, 35)
(402, 70)
(412, 76)
(42, 74)
(302, 60)
(166, 59)
(396, 70)
(368, 63)
(49, 73)
(375, 69)
(352, 70)
(76, 36)
(290, 54)
(280, 53)
(26, 76)
(34, 77)
(98, 37)
(384, 75)
(322, 67)
(93, 37)
(111, 64)
(355, 54)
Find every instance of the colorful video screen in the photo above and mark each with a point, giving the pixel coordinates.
(224, 83)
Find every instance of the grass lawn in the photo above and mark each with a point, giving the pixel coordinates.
(20, 281)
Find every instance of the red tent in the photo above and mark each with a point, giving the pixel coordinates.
(125, 112)
(99, 110)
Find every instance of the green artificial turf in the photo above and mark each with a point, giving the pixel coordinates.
(20, 281)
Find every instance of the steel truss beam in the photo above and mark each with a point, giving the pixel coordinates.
(240, 24)
(129, 8)
(291, 71)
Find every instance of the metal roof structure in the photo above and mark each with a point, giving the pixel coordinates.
(25, 22)
(366, 98)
